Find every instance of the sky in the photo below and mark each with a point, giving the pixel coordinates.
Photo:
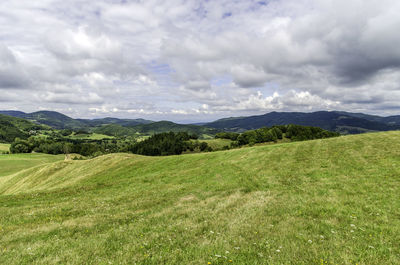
(194, 61)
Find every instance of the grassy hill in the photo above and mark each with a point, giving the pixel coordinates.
(331, 201)
(342, 122)
(10, 164)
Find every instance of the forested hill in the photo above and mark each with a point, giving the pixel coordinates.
(12, 127)
(51, 118)
(342, 122)
(58, 120)
(109, 126)
(333, 121)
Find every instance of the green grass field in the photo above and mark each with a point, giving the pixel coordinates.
(91, 136)
(217, 144)
(10, 164)
(332, 201)
(4, 147)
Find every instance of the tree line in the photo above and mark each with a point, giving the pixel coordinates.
(273, 134)
(162, 144)
(157, 145)
(57, 146)
(170, 143)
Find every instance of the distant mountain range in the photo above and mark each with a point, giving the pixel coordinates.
(343, 122)
(109, 126)
(60, 121)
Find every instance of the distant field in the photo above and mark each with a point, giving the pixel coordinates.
(10, 164)
(206, 136)
(140, 138)
(331, 201)
(92, 136)
(4, 147)
(217, 144)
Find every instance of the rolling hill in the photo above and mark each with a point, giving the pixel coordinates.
(333, 121)
(167, 126)
(153, 128)
(343, 122)
(390, 120)
(331, 201)
(114, 130)
(108, 120)
(12, 127)
(51, 118)
(110, 126)
(58, 120)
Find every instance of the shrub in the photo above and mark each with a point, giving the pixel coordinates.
(20, 146)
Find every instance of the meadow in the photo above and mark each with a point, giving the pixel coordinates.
(90, 136)
(330, 201)
(4, 147)
(13, 163)
(216, 144)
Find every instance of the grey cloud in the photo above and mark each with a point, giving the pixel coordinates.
(248, 76)
(8, 97)
(12, 74)
(69, 98)
(317, 54)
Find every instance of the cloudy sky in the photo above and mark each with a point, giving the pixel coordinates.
(199, 60)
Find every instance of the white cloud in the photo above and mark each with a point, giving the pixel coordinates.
(171, 58)
(68, 98)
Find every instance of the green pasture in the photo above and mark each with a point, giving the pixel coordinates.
(331, 201)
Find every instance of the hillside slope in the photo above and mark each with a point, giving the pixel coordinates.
(110, 126)
(168, 126)
(60, 121)
(112, 121)
(333, 201)
(154, 128)
(11, 164)
(12, 127)
(333, 121)
(389, 120)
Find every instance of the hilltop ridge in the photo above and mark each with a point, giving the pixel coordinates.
(343, 122)
(338, 121)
